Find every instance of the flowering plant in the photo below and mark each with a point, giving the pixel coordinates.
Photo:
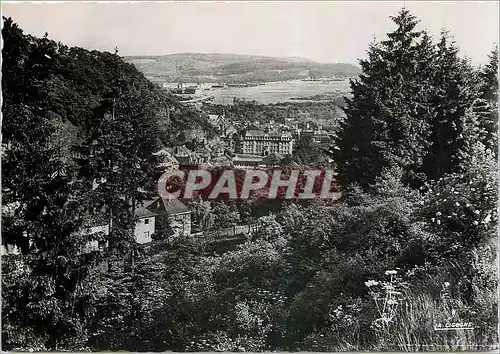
(387, 296)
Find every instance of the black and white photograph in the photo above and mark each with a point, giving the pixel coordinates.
(260, 176)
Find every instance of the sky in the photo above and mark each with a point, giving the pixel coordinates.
(326, 32)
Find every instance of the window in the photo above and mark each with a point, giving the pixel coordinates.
(146, 221)
(102, 245)
(146, 235)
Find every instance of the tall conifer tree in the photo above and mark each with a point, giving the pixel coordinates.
(453, 92)
(387, 116)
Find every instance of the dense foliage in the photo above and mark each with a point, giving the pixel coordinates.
(326, 112)
(410, 247)
(72, 119)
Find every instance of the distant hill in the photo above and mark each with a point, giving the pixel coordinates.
(233, 68)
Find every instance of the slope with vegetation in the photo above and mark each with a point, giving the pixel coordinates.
(410, 247)
(71, 118)
(232, 68)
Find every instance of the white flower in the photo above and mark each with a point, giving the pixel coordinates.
(475, 223)
(371, 283)
(438, 213)
(446, 284)
(390, 272)
(394, 292)
(392, 302)
(487, 219)
(477, 212)
(457, 204)
(432, 219)
(438, 222)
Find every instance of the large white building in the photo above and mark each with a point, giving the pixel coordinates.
(257, 142)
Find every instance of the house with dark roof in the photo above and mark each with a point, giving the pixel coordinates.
(246, 160)
(184, 155)
(222, 160)
(272, 159)
(178, 213)
(166, 159)
(230, 136)
(204, 151)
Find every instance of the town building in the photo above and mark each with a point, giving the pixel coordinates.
(98, 230)
(204, 152)
(246, 161)
(257, 142)
(273, 159)
(97, 235)
(216, 119)
(229, 135)
(184, 155)
(178, 213)
(166, 160)
(9, 249)
(145, 225)
(179, 217)
(317, 136)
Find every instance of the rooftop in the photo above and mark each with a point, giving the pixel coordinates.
(273, 158)
(181, 150)
(142, 212)
(172, 206)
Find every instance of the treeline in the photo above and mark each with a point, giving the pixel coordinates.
(249, 111)
(410, 247)
(78, 131)
(417, 105)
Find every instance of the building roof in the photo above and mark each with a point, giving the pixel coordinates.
(203, 150)
(175, 206)
(181, 150)
(272, 159)
(171, 207)
(255, 133)
(275, 133)
(142, 212)
(229, 130)
(241, 158)
(166, 158)
(222, 160)
(161, 152)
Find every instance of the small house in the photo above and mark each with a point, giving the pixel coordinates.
(145, 226)
(178, 213)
